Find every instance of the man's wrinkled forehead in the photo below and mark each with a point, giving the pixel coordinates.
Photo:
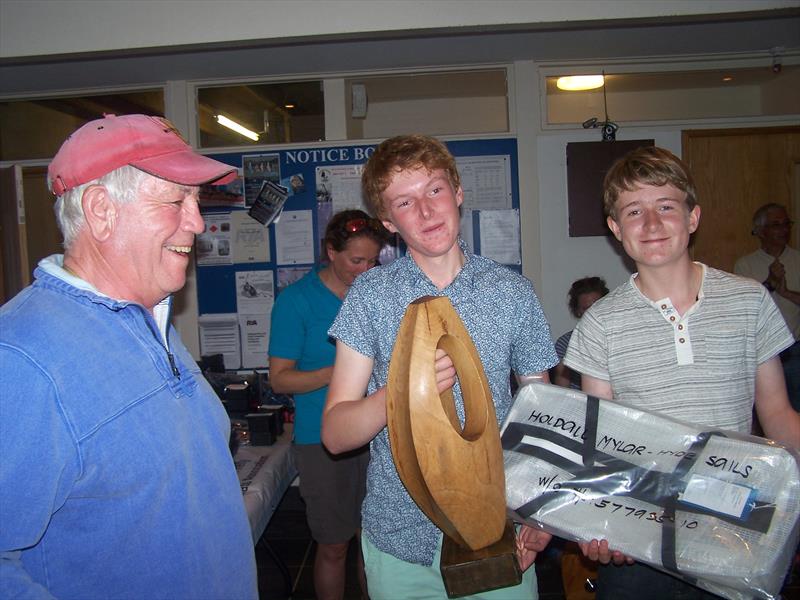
(157, 186)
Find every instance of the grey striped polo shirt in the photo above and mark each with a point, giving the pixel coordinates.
(699, 367)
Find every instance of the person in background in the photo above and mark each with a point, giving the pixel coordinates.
(776, 266)
(679, 338)
(582, 294)
(301, 359)
(412, 184)
(116, 480)
(578, 573)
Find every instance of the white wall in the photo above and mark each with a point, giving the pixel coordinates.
(441, 116)
(565, 259)
(74, 26)
(657, 105)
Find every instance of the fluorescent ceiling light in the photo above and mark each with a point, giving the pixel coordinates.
(577, 83)
(230, 124)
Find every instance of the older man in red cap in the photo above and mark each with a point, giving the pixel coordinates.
(116, 479)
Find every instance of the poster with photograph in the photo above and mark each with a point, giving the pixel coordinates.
(341, 186)
(295, 183)
(214, 244)
(268, 203)
(230, 194)
(257, 169)
(255, 292)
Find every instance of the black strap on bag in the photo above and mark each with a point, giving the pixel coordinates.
(603, 474)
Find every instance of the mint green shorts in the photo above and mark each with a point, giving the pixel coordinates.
(389, 578)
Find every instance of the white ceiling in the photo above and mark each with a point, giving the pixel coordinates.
(750, 33)
(54, 27)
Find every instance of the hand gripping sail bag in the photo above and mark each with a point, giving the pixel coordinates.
(717, 508)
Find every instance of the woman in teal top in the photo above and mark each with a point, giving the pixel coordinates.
(301, 357)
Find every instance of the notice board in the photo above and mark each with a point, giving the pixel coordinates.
(242, 265)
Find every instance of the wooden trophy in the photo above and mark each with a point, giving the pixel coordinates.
(454, 474)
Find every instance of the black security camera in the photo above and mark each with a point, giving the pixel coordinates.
(610, 131)
(777, 54)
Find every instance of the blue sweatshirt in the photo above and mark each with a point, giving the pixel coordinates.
(115, 476)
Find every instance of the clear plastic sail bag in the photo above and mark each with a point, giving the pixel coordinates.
(716, 508)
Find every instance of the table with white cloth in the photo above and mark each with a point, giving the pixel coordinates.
(265, 473)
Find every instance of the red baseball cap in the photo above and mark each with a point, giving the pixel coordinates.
(151, 144)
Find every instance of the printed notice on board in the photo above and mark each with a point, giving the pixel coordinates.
(250, 239)
(294, 238)
(255, 340)
(341, 186)
(219, 334)
(486, 181)
(500, 236)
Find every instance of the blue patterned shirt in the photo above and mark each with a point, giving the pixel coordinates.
(502, 315)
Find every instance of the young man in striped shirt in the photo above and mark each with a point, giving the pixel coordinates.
(679, 338)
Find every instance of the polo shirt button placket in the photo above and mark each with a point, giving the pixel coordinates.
(681, 339)
(683, 346)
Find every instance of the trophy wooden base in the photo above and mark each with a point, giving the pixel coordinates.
(466, 572)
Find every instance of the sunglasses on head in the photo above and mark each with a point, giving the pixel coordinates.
(356, 225)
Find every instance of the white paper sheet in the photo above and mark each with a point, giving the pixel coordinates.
(341, 185)
(486, 181)
(500, 236)
(219, 334)
(294, 238)
(255, 340)
(250, 239)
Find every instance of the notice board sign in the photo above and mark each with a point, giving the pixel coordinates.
(242, 265)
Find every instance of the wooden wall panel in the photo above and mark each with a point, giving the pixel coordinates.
(736, 171)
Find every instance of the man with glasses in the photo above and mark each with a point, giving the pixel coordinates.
(777, 267)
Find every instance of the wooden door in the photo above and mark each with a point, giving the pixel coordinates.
(736, 171)
(14, 274)
(28, 226)
(44, 237)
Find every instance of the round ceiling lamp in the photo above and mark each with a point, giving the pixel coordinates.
(577, 83)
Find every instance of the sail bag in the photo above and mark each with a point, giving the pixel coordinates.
(716, 508)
